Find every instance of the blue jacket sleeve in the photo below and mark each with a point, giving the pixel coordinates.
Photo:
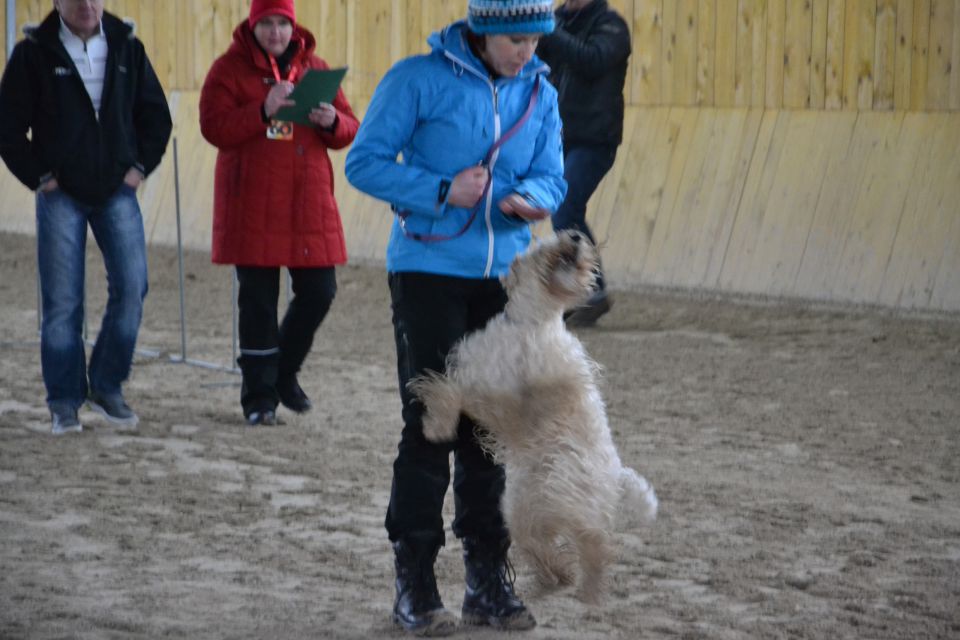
(372, 164)
(544, 184)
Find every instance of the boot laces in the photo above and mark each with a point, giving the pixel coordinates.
(505, 575)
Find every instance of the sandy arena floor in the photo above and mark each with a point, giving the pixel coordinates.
(807, 460)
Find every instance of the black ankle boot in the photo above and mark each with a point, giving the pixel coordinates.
(418, 607)
(489, 598)
(292, 395)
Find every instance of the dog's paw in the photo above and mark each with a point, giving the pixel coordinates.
(436, 429)
(441, 402)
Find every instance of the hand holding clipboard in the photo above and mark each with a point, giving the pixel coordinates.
(315, 87)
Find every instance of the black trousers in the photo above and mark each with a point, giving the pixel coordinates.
(583, 169)
(430, 314)
(270, 351)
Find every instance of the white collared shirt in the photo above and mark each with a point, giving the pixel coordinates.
(90, 59)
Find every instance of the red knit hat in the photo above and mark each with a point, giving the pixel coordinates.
(262, 8)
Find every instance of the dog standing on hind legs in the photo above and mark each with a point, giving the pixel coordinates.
(530, 384)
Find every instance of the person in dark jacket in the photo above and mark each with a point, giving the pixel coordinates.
(587, 54)
(82, 87)
(273, 199)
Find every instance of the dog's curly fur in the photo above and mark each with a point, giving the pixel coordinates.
(529, 383)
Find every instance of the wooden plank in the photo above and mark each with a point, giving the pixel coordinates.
(706, 52)
(29, 13)
(858, 78)
(841, 203)
(941, 54)
(669, 52)
(680, 129)
(647, 58)
(157, 195)
(710, 208)
(885, 55)
(818, 54)
(929, 209)
(204, 40)
(904, 49)
(797, 54)
(850, 44)
(186, 45)
(334, 35)
(622, 7)
(165, 62)
(640, 190)
(398, 29)
(310, 17)
(668, 260)
(759, 53)
(18, 205)
(776, 26)
(751, 52)
(715, 238)
(946, 286)
(842, 169)
(836, 45)
(921, 47)
(880, 202)
(790, 204)
(412, 25)
(741, 256)
(725, 66)
(955, 61)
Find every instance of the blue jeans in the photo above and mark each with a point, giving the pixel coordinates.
(583, 169)
(117, 227)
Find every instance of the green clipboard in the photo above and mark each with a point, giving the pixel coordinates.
(316, 86)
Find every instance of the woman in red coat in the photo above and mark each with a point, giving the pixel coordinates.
(273, 199)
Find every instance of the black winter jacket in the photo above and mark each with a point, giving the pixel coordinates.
(587, 54)
(42, 92)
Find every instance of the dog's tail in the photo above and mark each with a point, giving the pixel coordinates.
(638, 501)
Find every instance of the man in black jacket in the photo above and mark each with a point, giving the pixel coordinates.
(83, 120)
(587, 54)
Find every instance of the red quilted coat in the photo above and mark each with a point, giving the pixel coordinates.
(273, 200)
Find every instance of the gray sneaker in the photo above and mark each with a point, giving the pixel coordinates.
(114, 409)
(65, 421)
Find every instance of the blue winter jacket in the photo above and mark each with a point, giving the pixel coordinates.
(440, 113)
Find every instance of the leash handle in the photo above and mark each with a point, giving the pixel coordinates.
(430, 237)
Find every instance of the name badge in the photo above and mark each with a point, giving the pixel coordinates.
(280, 130)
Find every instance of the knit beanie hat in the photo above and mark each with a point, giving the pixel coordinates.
(510, 16)
(262, 8)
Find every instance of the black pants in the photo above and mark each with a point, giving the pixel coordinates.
(583, 169)
(430, 314)
(270, 351)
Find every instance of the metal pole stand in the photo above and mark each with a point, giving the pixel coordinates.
(182, 358)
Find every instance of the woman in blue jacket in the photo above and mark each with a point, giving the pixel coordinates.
(439, 144)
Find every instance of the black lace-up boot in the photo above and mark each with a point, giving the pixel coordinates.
(418, 607)
(292, 395)
(489, 598)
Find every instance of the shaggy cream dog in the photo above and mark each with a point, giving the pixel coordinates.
(531, 385)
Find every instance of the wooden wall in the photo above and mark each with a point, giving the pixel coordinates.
(795, 54)
(738, 173)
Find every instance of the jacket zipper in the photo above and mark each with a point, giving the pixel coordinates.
(489, 204)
